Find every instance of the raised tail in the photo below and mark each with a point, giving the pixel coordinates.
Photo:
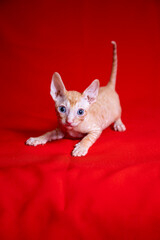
(113, 76)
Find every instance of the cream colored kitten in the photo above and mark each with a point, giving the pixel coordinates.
(84, 115)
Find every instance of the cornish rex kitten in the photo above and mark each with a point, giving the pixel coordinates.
(84, 115)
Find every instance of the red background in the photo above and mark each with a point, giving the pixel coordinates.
(113, 192)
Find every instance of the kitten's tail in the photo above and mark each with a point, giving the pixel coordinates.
(112, 80)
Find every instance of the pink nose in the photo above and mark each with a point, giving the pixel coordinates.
(68, 123)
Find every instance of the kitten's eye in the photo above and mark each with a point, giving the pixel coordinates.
(62, 109)
(80, 112)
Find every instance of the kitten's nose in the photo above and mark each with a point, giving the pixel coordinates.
(69, 123)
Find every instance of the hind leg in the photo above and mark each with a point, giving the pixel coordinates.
(119, 126)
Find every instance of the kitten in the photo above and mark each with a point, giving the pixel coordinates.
(84, 115)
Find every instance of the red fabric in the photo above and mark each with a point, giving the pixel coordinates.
(113, 192)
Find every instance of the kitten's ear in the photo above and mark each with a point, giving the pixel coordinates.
(57, 87)
(91, 93)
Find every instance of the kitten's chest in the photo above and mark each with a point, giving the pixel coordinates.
(74, 134)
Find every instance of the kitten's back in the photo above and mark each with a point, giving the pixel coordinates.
(106, 109)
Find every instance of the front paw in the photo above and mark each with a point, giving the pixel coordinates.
(79, 150)
(36, 141)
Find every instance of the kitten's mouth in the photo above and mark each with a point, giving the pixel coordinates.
(68, 125)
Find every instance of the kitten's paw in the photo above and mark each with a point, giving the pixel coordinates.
(79, 150)
(36, 141)
(119, 126)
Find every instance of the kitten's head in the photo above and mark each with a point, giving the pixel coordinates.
(72, 106)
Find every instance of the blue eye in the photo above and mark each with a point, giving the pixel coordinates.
(80, 112)
(62, 109)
